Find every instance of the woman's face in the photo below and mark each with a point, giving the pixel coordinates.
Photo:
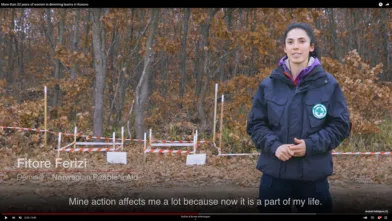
(297, 47)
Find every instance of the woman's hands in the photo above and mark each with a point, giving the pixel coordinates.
(286, 151)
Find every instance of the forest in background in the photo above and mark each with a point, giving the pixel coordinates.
(96, 62)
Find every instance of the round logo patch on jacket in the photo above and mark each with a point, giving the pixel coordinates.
(319, 111)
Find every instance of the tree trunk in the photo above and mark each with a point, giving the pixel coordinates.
(187, 14)
(100, 69)
(10, 64)
(142, 87)
(203, 66)
(57, 73)
(74, 44)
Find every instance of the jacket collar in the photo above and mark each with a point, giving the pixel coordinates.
(312, 78)
(312, 64)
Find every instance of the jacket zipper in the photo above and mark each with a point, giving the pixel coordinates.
(297, 90)
(284, 164)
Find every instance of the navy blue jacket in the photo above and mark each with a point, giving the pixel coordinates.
(315, 110)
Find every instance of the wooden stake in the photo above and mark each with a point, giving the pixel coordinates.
(75, 132)
(59, 144)
(145, 147)
(122, 138)
(114, 141)
(214, 129)
(221, 126)
(150, 137)
(45, 114)
(195, 138)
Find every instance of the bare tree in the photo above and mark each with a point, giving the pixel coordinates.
(142, 87)
(100, 58)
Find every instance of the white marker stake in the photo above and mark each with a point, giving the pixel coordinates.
(45, 111)
(122, 138)
(221, 126)
(150, 136)
(145, 146)
(75, 132)
(214, 129)
(145, 142)
(114, 140)
(58, 147)
(195, 143)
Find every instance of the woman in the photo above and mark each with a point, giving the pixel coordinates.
(298, 116)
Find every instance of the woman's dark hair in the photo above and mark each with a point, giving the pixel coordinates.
(309, 30)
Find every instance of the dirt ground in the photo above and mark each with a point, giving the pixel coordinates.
(360, 184)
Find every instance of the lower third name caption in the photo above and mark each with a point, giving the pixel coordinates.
(181, 201)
